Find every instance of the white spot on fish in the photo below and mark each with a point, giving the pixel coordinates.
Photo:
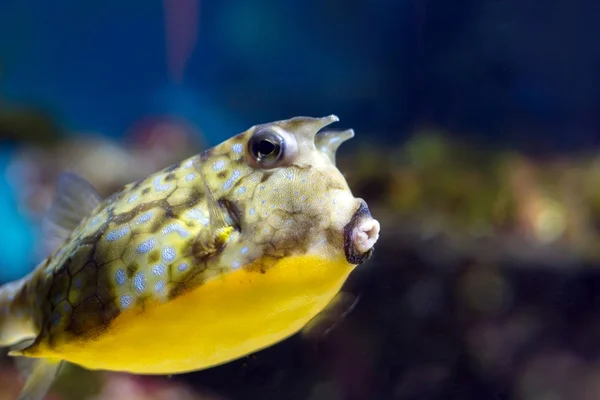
(188, 164)
(161, 187)
(139, 282)
(252, 211)
(95, 221)
(146, 246)
(182, 267)
(219, 165)
(234, 176)
(120, 277)
(237, 148)
(158, 270)
(168, 254)
(235, 264)
(145, 217)
(198, 215)
(132, 199)
(289, 174)
(244, 250)
(160, 286)
(190, 177)
(241, 190)
(175, 227)
(194, 213)
(126, 301)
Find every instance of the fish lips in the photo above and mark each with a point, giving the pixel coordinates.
(353, 255)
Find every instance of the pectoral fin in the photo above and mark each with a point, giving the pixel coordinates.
(41, 374)
(218, 220)
(220, 224)
(322, 324)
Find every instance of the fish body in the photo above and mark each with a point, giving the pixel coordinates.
(208, 260)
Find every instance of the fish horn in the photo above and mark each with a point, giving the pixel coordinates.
(328, 142)
(320, 123)
(308, 126)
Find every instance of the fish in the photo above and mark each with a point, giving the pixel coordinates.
(204, 262)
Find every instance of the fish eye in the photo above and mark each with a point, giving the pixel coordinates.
(270, 149)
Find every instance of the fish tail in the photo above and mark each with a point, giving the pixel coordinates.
(16, 323)
(17, 327)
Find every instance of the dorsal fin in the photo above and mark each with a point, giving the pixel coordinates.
(74, 200)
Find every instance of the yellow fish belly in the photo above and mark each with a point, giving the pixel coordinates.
(221, 320)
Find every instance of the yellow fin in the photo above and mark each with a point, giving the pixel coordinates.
(41, 375)
(324, 322)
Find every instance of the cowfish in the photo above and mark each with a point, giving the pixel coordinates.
(204, 262)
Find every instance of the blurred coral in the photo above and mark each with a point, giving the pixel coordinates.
(151, 145)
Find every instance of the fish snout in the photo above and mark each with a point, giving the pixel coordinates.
(360, 235)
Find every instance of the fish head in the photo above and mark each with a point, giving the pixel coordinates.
(279, 185)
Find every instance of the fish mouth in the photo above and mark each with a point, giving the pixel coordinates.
(360, 235)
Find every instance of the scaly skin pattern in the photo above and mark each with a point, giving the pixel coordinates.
(149, 262)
